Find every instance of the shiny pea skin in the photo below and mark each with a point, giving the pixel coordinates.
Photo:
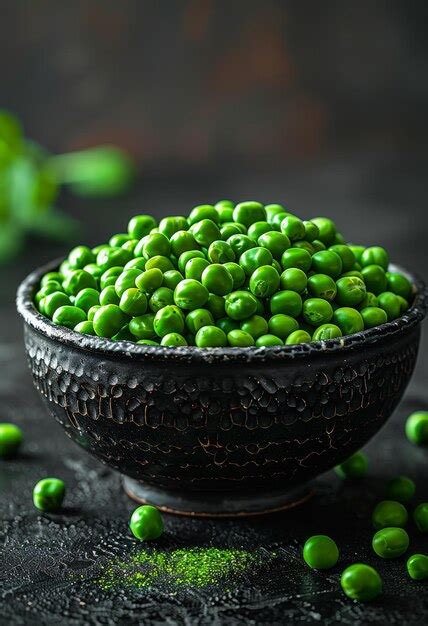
(168, 320)
(162, 263)
(416, 428)
(190, 294)
(256, 325)
(91, 313)
(240, 244)
(298, 336)
(174, 340)
(320, 552)
(216, 305)
(48, 494)
(86, 328)
(108, 320)
(108, 295)
(195, 268)
(326, 332)
(185, 257)
(109, 277)
(268, 340)
(282, 325)
(240, 338)
(346, 254)
(146, 523)
(156, 244)
(297, 258)
(275, 242)
(211, 337)
(373, 316)
(217, 279)
(326, 230)
(351, 290)
(375, 255)
(264, 281)
(254, 258)
(141, 225)
(286, 302)
(399, 284)
(294, 279)
(198, 318)
(142, 326)
(417, 566)
(240, 305)
(87, 298)
(80, 256)
(10, 439)
(317, 311)
(389, 513)
(220, 252)
(237, 273)
(327, 262)
(77, 280)
(349, 320)
(133, 302)
(389, 302)
(205, 232)
(54, 301)
(171, 278)
(356, 466)
(160, 298)
(182, 241)
(149, 281)
(226, 324)
(322, 286)
(68, 316)
(390, 543)
(420, 517)
(361, 582)
(375, 278)
(249, 212)
(170, 225)
(401, 489)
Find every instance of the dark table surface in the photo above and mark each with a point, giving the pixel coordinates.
(51, 565)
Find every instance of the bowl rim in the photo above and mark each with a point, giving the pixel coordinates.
(192, 354)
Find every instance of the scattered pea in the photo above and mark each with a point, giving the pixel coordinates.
(320, 552)
(390, 543)
(355, 466)
(10, 439)
(420, 517)
(401, 489)
(361, 582)
(417, 566)
(417, 428)
(389, 513)
(48, 494)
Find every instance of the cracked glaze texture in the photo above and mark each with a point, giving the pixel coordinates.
(263, 419)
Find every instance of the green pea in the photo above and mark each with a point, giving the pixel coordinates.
(124, 334)
(286, 302)
(293, 228)
(108, 320)
(275, 242)
(318, 245)
(224, 209)
(322, 286)
(182, 241)
(249, 212)
(52, 277)
(240, 305)
(85, 328)
(80, 256)
(140, 226)
(375, 278)
(401, 489)
(311, 231)
(256, 326)
(327, 262)
(149, 281)
(126, 280)
(54, 301)
(374, 255)
(185, 257)
(326, 228)
(361, 582)
(346, 255)
(326, 332)
(226, 324)
(138, 263)
(240, 244)
(155, 245)
(272, 210)
(65, 268)
(130, 245)
(304, 245)
(108, 295)
(97, 249)
(228, 230)
(146, 523)
(399, 284)
(420, 517)
(133, 302)
(277, 219)
(356, 466)
(10, 440)
(357, 250)
(389, 513)
(160, 298)
(77, 280)
(404, 305)
(173, 340)
(203, 212)
(237, 273)
(264, 281)
(168, 226)
(373, 316)
(417, 428)
(390, 543)
(92, 311)
(294, 279)
(298, 336)
(171, 278)
(195, 268)
(217, 279)
(317, 311)
(350, 291)
(369, 301)
(216, 306)
(198, 318)
(210, 337)
(147, 342)
(297, 258)
(239, 338)
(117, 241)
(87, 298)
(68, 316)
(112, 257)
(190, 294)
(268, 340)
(109, 277)
(389, 302)
(205, 232)
(94, 270)
(349, 320)
(257, 229)
(160, 262)
(220, 252)
(417, 566)
(282, 325)
(48, 494)
(254, 258)
(142, 326)
(320, 552)
(168, 320)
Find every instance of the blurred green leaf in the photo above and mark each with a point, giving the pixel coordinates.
(11, 241)
(102, 171)
(55, 225)
(11, 138)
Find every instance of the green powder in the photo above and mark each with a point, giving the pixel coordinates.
(191, 567)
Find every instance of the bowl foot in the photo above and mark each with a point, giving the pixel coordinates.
(210, 504)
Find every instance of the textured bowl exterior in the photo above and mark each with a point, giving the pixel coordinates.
(224, 420)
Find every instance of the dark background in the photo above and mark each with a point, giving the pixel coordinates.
(321, 106)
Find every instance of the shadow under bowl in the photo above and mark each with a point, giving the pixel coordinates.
(224, 431)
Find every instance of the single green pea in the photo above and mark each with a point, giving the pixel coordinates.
(417, 566)
(374, 255)
(174, 340)
(346, 254)
(87, 298)
(117, 241)
(190, 294)
(85, 328)
(369, 301)
(146, 523)
(322, 286)
(251, 259)
(401, 489)
(237, 273)
(257, 229)
(198, 318)
(357, 250)
(168, 226)
(195, 268)
(317, 311)
(349, 320)
(293, 228)
(168, 320)
(240, 244)
(210, 337)
(130, 245)
(390, 543)
(124, 334)
(420, 517)
(298, 336)
(182, 241)
(417, 428)
(399, 284)
(327, 262)
(389, 513)
(217, 279)
(108, 320)
(249, 212)
(138, 263)
(361, 582)
(373, 316)
(65, 269)
(240, 305)
(51, 277)
(272, 210)
(282, 325)
(149, 281)
(10, 439)
(264, 281)
(294, 279)
(77, 280)
(224, 209)
(326, 229)
(126, 280)
(389, 302)
(185, 257)
(239, 338)
(277, 219)
(216, 305)
(268, 340)
(92, 311)
(68, 316)
(404, 305)
(205, 232)
(339, 240)
(228, 230)
(351, 290)
(171, 278)
(80, 256)
(156, 244)
(220, 252)
(375, 278)
(296, 258)
(312, 231)
(94, 270)
(133, 302)
(54, 301)
(275, 242)
(142, 326)
(356, 466)
(160, 298)
(109, 277)
(326, 332)
(320, 552)
(162, 263)
(256, 326)
(203, 212)
(48, 494)
(112, 257)
(140, 226)
(286, 302)
(108, 295)
(318, 245)
(226, 324)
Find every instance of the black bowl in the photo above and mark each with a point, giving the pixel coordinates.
(225, 431)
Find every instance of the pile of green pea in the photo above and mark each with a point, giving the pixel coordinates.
(225, 275)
